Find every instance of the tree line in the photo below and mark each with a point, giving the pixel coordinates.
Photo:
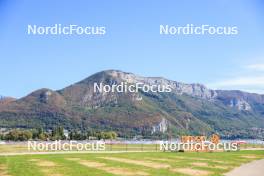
(57, 133)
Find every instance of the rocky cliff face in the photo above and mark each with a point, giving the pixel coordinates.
(162, 126)
(196, 90)
(242, 101)
(238, 101)
(240, 104)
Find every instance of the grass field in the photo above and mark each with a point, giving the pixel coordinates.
(126, 164)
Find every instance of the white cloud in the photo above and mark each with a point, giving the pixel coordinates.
(250, 78)
(257, 67)
(242, 81)
(249, 83)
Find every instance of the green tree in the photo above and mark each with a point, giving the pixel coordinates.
(19, 135)
(57, 133)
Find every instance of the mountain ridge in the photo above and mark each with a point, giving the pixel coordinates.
(188, 108)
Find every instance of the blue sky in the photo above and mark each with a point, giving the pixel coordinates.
(132, 43)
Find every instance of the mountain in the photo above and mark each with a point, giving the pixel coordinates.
(187, 109)
(4, 100)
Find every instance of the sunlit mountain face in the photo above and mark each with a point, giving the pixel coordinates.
(185, 109)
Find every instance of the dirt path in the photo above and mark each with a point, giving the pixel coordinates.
(254, 168)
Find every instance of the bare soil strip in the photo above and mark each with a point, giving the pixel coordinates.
(150, 164)
(192, 172)
(112, 170)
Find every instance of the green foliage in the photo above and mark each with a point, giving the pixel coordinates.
(18, 135)
(77, 135)
(39, 134)
(58, 133)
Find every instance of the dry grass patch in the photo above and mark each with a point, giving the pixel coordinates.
(200, 164)
(220, 167)
(74, 159)
(91, 163)
(200, 159)
(48, 172)
(221, 162)
(3, 170)
(46, 164)
(249, 156)
(123, 171)
(3, 167)
(192, 172)
(34, 160)
(112, 170)
(162, 159)
(46, 167)
(43, 163)
(190, 158)
(4, 173)
(150, 164)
